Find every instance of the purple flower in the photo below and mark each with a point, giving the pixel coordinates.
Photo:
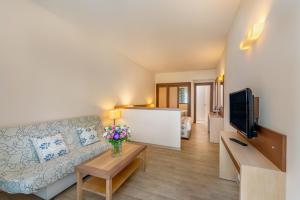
(116, 136)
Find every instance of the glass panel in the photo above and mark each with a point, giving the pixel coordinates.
(183, 95)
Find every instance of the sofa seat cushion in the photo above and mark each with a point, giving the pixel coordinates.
(38, 175)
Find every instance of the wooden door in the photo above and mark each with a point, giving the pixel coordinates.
(163, 97)
(173, 97)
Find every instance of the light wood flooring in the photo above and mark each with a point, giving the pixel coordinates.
(189, 174)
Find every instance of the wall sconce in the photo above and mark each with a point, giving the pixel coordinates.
(221, 78)
(252, 36)
(114, 115)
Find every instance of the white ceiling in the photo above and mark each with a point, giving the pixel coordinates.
(161, 35)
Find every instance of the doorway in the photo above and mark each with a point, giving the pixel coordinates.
(203, 102)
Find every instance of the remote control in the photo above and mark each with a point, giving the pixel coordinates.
(239, 142)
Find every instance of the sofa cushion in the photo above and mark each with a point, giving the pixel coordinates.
(37, 176)
(50, 147)
(87, 135)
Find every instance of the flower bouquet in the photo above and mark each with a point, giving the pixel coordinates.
(116, 135)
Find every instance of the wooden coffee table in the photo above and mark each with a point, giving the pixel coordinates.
(107, 173)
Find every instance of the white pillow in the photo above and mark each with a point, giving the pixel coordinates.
(87, 135)
(50, 147)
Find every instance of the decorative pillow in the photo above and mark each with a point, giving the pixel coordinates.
(50, 147)
(87, 135)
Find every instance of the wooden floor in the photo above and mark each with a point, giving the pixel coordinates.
(189, 174)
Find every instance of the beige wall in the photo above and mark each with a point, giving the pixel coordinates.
(186, 76)
(271, 70)
(49, 69)
(220, 70)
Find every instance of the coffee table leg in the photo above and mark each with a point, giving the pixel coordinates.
(79, 185)
(109, 189)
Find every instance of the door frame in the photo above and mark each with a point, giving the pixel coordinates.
(179, 84)
(211, 84)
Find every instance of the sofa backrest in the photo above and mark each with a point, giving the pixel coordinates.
(16, 150)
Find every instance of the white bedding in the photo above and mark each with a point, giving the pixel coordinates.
(186, 127)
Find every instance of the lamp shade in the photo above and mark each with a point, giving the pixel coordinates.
(114, 114)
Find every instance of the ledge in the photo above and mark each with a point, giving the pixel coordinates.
(147, 108)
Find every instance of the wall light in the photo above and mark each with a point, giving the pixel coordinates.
(221, 78)
(149, 100)
(252, 36)
(245, 45)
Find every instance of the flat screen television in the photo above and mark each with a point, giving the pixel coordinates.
(242, 112)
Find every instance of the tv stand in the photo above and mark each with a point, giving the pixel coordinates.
(238, 141)
(258, 177)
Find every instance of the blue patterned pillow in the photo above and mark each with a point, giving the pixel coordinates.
(50, 147)
(87, 135)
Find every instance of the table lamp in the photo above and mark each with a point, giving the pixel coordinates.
(114, 115)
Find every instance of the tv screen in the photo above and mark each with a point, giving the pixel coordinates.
(241, 112)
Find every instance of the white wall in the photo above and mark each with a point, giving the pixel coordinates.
(271, 70)
(154, 126)
(187, 76)
(49, 69)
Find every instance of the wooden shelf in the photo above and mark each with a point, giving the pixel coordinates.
(245, 156)
(98, 185)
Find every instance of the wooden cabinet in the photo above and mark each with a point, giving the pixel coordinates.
(215, 125)
(174, 95)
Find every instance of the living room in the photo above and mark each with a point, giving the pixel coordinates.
(67, 65)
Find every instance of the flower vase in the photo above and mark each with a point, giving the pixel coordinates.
(117, 149)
